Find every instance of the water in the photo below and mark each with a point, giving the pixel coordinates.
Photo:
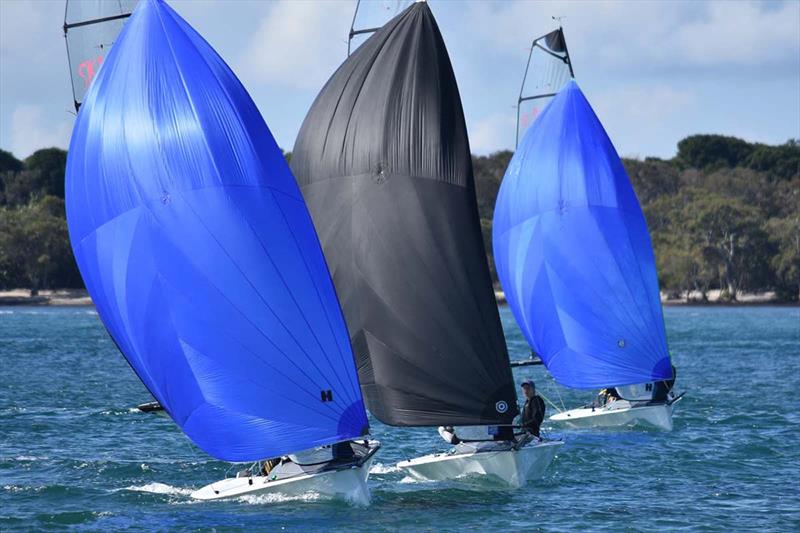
(73, 452)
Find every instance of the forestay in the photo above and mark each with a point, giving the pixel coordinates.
(90, 29)
(199, 253)
(574, 256)
(384, 164)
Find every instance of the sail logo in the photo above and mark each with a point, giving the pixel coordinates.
(326, 395)
(87, 69)
(501, 406)
(528, 118)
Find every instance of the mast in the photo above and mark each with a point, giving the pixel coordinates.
(384, 164)
(550, 67)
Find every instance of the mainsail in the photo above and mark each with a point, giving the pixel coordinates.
(384, 164)
(574, 256)
(369, 16)
(90, 29)
(193, 239)
(548, 69)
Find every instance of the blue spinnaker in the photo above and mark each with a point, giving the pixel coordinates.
(574, 256)
(199, 253)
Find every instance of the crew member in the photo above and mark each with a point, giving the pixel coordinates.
(449, 434)
(662, 389)
(533, 411)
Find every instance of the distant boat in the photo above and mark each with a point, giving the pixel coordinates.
(575, 260)
(196, 246)
(384, 164)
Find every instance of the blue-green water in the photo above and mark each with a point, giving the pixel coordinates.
(73, 453)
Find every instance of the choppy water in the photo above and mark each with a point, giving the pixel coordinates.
(74, 454)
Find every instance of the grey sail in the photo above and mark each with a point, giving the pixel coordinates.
(91, 27)
(384, 164)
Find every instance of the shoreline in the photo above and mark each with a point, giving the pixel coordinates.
(46, 298)
(759, 299)
(81, 298)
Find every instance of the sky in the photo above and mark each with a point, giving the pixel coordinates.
(654, 71)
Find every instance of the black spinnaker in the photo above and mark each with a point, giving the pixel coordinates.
(549, 68)
(384, 164)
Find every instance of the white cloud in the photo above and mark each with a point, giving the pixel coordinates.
(643, 116)
(30, 130)
(492, 133)
(297, 44)
(674, 35)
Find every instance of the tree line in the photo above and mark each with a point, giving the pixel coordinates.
(723, 214)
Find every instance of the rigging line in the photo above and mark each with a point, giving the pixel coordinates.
(549, 401)
(558, 391)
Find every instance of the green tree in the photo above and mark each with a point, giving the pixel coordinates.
(732, 240)
(51, 165)
(652, 178)
(489, 171)
(780, 162)
(712, 151)
(784, 233)
(22, 187)
(34, 244)
(9, 163)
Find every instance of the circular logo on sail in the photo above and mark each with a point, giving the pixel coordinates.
(501, 406)
(621, 343)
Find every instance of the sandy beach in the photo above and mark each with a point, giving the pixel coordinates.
(48, 297)
(695, 298)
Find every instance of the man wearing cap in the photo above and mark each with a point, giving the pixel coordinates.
(533, 411)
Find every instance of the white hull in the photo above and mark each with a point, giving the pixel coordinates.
(348, 482)
(618, 414)
(513, 468)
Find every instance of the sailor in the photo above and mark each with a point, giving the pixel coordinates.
(533, 411)
(607, 396)
(449, 434)
(269, 465)
(343, 451)
(662, 389)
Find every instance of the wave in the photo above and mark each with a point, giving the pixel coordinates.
(379, 468)
(260, 499)
(160, 488)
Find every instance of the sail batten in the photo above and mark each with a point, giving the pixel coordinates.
(383, 162)
(195, 244)
(574, 256)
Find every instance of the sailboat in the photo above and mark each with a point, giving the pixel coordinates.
(193, 240)
(384, 164)
(575, 260)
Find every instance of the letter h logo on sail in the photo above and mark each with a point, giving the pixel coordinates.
(326, 395)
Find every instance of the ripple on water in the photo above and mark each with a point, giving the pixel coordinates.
(74, 452)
